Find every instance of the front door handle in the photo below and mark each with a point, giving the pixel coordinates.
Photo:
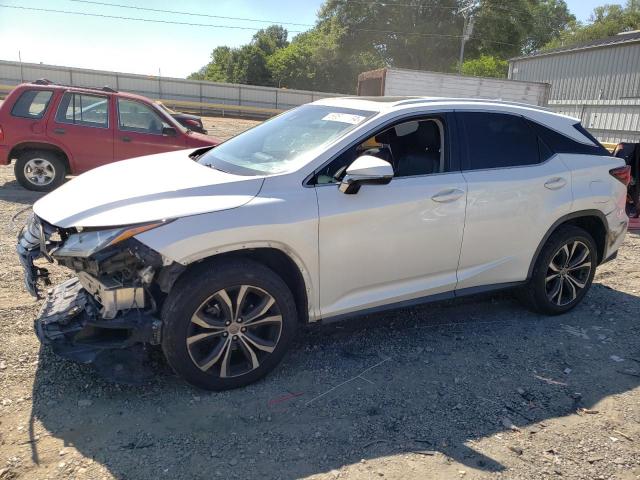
(555, 183)
(126, 139)
(447, 196)
(59, 131)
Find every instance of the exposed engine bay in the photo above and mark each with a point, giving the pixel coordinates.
(112, 303)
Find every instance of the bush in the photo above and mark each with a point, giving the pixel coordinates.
(486, 66)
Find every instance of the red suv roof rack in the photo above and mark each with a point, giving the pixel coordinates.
(45, 81)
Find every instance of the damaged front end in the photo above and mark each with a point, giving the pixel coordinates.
(110, 309)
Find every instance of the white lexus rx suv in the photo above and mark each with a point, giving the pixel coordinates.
(332, 209)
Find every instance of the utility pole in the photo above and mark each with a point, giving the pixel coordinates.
(21, 71)
(467, 31)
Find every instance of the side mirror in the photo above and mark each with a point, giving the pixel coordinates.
(169, 132)
(366, 170)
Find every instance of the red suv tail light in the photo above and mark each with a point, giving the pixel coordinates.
(623, 174)
(1, 134)
(193, 123)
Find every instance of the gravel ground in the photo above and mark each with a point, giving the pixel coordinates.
(479, 388)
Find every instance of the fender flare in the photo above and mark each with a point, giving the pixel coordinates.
(309, 284)
(44, 145)
(560, 221)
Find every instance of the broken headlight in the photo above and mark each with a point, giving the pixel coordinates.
(85, 244)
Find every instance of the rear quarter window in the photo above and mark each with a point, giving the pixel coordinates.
(559, 143)
(32, 104)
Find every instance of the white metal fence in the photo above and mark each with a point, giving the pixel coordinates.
(253, 100)
(609, 120)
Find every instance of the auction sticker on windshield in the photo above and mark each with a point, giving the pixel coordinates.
(343, 118)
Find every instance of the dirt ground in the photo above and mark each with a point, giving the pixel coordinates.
(479, 388)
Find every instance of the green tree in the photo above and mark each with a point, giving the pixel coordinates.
(418, 34)
(605, 21)
(486, 66)
(247, 64)
(220, 69)
(352, 37)
(501, 28)
(271, 39)
(292, 67)
(550, 19)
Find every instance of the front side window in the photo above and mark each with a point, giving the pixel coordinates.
(497, 140)
(413, 148)
(32, 104)
(285, 142)
(137, 117)
(82, 109)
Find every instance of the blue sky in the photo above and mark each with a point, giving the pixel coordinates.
(143, 47)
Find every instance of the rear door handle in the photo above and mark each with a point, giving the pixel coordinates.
(555, 183)
(447, 196)
(59, 131)
(126, 139)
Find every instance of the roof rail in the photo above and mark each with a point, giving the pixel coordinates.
(473, 100)
(45, 81)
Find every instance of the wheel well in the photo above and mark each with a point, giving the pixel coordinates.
(281, 264)
(22, 147)
(592, 221)
(595, 227)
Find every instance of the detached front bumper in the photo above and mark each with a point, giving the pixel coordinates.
(70, 323)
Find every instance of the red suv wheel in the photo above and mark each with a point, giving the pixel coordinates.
(40, 170)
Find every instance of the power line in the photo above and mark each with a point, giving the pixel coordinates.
(394, 4)
(172, 22)
(178, 12)
(428, 35)
(137, 19)
(508, 8)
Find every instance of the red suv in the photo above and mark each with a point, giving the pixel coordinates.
(53, 130)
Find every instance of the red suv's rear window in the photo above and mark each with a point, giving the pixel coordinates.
(32, 104)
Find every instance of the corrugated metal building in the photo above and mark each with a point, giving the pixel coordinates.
(598, 82)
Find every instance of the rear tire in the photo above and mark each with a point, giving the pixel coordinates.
(563, 272)
(40, 170)
(228, 324)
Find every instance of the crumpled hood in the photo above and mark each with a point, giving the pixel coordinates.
(155, 187)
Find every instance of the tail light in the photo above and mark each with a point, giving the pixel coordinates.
(193, 123)
(1, 134)
(622, 174)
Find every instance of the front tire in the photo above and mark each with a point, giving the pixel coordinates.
(40, 170)
(228, 324)
(563, 272)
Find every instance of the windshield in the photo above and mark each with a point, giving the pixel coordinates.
(285, 142)
(159, 107)
(165, 108)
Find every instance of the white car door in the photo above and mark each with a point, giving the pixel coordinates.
(516, 190)
(394, 243)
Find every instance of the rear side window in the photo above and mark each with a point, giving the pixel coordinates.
(559, 143)
(497, 140)
(32, 104)
(82, 109)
